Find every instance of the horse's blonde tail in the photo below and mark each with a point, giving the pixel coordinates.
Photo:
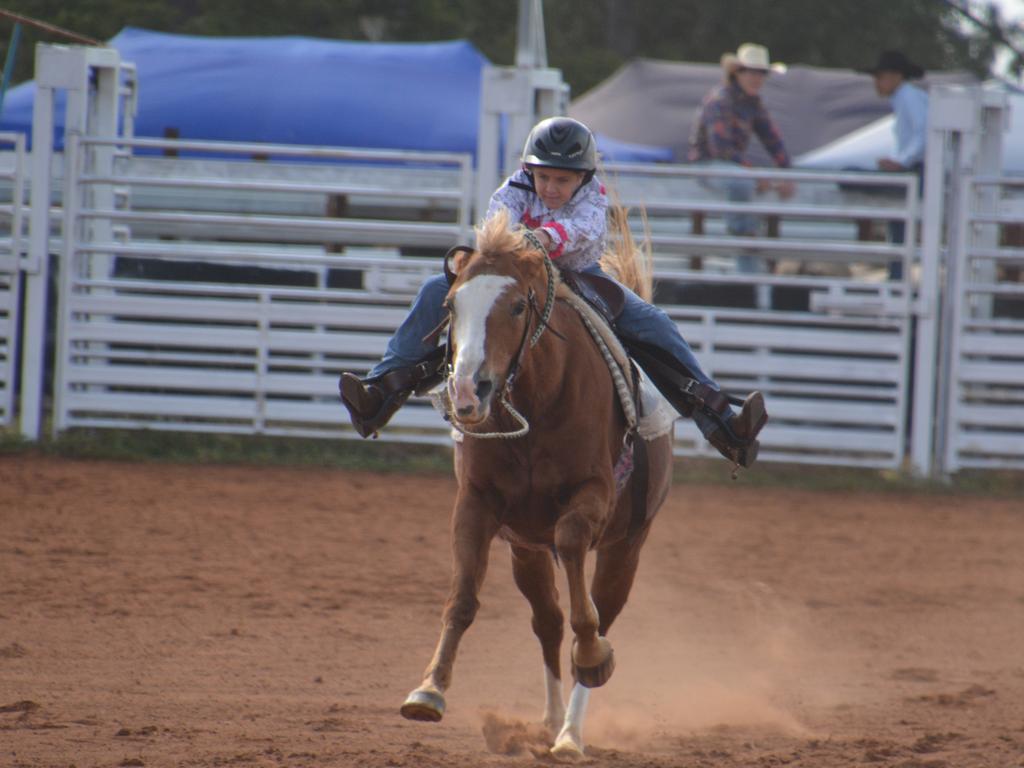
(629, 263)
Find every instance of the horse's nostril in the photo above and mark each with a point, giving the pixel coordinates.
(483, 388)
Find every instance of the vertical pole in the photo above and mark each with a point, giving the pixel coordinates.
(520, 94)
(922, 443)
(488, 141)
(531, 46)
(955, 307)
(68, 270)
(37, 279)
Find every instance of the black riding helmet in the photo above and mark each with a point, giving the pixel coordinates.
(563, 143)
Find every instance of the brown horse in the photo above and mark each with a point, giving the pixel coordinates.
(536, 467)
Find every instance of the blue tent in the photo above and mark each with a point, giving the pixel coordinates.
(301, 90)
(296, 90)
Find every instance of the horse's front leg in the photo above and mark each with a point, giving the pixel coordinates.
(534, 574)
(592, 658)
(472, 532)
(575, 532)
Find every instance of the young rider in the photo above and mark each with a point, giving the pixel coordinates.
(556, 195)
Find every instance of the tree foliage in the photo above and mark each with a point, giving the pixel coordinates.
(587, 39)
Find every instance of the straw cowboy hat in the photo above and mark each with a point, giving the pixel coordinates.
(750, 56)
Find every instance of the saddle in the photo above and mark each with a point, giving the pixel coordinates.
(602, 293)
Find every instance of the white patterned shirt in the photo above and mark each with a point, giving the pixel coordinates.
(577, 230)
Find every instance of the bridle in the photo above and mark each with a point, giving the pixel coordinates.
(528, 341)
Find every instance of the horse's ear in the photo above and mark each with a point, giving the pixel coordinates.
(455, 260)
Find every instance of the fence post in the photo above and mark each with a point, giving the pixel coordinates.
(962, 137)
(523, 94)
(65, 68)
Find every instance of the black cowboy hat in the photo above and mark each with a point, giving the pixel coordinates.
(895, 61)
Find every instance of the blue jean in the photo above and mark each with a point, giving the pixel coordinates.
(646, 322)
(737, 190)
(407, 346)
(639, 320)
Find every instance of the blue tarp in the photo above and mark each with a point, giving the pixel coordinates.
(301, 90)
(296, 90)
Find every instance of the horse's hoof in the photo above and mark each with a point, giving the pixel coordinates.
(595, 677)
(567, 750)
(599, 671)
(425, 705)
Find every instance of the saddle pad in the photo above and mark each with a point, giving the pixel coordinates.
(658, 413)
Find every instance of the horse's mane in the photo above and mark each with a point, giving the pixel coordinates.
(631, 264)
(494, 235)
(624, 260)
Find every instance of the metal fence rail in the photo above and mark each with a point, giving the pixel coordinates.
(985, 394)
(832, 217)
(12, 218)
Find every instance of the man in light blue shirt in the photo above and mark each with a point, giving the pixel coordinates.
(892, 75)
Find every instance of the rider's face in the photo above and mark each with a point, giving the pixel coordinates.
(751, 81)
(555, 186)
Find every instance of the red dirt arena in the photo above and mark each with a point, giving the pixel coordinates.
(168, 615)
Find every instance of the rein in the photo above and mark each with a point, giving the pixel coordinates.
(544, 316)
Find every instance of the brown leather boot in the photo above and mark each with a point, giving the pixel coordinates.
(736, 439)
(371, 403)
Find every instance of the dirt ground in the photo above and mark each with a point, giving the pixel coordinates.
(162, 615)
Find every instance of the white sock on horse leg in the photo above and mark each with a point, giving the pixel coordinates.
(573, 728)
(554, 705)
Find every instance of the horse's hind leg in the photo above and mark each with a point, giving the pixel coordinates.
(613, 578)
(535, 576)
(472, 532)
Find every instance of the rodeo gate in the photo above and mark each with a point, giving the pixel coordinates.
(216, 287)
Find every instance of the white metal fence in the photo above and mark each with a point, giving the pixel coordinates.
(204, 310)
(983, 374)
(223, 287)
(183, 307)
(12, 217)
(816, 311)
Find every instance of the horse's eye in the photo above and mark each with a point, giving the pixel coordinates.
(518, 308)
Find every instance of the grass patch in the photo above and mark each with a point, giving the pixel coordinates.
(202, 448)
(375, 456)
(849, 479)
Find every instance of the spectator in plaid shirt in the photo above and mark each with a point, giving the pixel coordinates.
(731, 112)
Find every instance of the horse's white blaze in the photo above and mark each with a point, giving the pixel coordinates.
(554, 707)
(473, 303)
(571, 737)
